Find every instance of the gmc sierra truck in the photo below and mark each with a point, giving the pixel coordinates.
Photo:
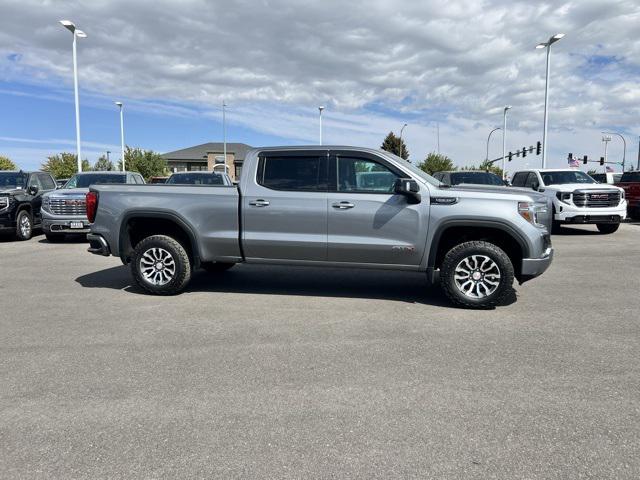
(327, 206)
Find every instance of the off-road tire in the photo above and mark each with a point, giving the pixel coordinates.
(607, 228)
(179, 256)
(216, 267)
(24, 234)
(464, 250)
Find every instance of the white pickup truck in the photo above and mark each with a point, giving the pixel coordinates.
(577, 198)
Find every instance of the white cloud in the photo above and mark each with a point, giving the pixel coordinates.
(374, 64)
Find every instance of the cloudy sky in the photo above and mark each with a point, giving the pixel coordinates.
(375, 65)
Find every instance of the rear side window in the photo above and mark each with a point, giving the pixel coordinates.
(531, 179)
(292, 173)
(519, 179)
(630, 177)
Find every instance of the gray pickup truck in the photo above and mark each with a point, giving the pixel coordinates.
(327, 206)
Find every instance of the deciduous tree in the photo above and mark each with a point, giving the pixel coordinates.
(436, 162)
(7, 164)
(64, 165)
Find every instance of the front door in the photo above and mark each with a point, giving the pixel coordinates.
(285, 207)
(367, 222)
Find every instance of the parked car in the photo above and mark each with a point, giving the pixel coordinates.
(60, 182)
(608, 177)
(577, 198)
(199, 178)
(630, 183)
(303, 206)
(154, 180)
(64, 211)
(469, 177)
(21, 196)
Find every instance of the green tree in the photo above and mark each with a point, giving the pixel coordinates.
(486, 166)
(103, 164)
(436, 162)
(64, 165)
(392, 144)
(7, 164)
(146, 162)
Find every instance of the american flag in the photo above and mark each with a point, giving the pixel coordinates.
(574, 163)
(609, 169)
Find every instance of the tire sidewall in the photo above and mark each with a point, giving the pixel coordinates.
(180, 257)
(607, 228)
(19, 235)
(459, 253)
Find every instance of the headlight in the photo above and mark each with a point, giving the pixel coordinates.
(4, 203)
(45, 203)
(564, 197)
(530, 211)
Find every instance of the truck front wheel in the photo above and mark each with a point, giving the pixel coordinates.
(160, 265)
(476, 274)
(607, 227)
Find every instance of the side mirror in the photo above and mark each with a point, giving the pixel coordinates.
(33, 190)
(409, 188)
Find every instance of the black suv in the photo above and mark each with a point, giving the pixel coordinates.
(20, 201)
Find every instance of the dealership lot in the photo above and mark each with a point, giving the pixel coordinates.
(274, 372)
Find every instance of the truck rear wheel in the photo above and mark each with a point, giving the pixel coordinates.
(160, 265)
(607, 227)
(476, 274)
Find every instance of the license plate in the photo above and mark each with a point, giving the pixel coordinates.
(76, 225)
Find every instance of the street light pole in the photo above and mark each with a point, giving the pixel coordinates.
(547, 45)
(624, 143)
(400, 147)
(224, 133)
(76, 33)
(504, 139)
(489, 138)
(320, 109)
(119, 104)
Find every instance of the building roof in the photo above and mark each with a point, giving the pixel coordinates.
(198, 153)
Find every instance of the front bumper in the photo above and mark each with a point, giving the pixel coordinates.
(98, 245)
(571, 214)
(534, 267)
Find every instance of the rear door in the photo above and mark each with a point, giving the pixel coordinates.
(367, 222)
(284, 207)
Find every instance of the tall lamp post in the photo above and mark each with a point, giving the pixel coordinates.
(224, 133)
(400, 147)
(624, 143)
(547, 45)
(120, 105)
(76, 33)
(489, 138)
(320, 109)
(504, 139)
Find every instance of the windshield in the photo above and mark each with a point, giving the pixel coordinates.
(12, 180)
(560, 177)
(415, 170)
(196, 179)
(85, 180)
(475, 178)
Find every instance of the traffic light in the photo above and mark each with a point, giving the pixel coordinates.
(601, 160)
(584, 159)
(524, 152)
(510, 156)
(530, 149)
(570, 157)
(538, 148)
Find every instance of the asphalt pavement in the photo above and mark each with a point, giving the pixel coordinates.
(273, 372)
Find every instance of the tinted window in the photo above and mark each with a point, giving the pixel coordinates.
(519, 179)
(12, 180)
(291, 173)
(34, 181)
(531, 179)
(599, 177)
(475, 178)
(196, 179)
(630, 177)
(84, 180)
(47, 182)
(363, 175)
(561, 177)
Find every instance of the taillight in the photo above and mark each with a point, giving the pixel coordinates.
(92, 206)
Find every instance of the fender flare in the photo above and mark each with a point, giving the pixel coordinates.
(146, 214)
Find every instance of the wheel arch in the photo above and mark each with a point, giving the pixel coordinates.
(139, 224)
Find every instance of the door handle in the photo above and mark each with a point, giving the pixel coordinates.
(259, 203)
(343, 205)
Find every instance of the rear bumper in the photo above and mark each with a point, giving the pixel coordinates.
(534, 267)
(61, 224)
(98, 245)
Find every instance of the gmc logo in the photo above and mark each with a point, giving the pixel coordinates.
(599, 196)
(74, 203)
